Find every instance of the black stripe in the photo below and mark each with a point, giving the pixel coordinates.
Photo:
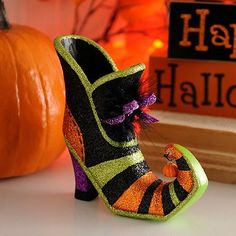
(180, 191)
(121, 182)
(147, 198)
(167, 203)
(182, 164)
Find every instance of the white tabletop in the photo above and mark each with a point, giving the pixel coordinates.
(43, 205)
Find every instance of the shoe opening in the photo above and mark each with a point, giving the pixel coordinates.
(93, 61)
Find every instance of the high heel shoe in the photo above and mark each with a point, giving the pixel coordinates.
(102, 105)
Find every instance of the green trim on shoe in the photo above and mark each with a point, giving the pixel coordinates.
(113, 167)
(173, 195)
(199, 174)
(115, 75)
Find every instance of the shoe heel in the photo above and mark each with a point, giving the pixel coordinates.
(84, 189)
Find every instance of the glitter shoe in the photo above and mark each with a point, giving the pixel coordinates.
(103, 106)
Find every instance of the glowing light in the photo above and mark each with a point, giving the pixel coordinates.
(118, 43)
(158, 43)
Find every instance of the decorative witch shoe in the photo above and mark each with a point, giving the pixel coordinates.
(103, 104)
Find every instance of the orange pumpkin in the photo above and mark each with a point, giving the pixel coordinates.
(32, 98)
(170, 170)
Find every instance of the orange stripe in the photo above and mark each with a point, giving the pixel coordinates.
(131, 198)
(156, 203)
(185, 179)
(73, 133)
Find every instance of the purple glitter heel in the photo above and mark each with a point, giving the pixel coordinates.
(84, 189)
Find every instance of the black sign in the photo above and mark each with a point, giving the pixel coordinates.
(202, 31)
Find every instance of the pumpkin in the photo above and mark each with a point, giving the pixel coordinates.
(170, 170)
(32, 98)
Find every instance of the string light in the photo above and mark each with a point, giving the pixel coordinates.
(118, 43)
(158, 44)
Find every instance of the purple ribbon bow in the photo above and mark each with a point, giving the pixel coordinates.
(130, 107)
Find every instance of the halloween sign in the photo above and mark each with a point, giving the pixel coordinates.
(205, 31)
(194, 86)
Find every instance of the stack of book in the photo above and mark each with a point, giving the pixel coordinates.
(196, 89)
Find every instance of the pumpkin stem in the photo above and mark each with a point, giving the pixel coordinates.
(4, 24)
